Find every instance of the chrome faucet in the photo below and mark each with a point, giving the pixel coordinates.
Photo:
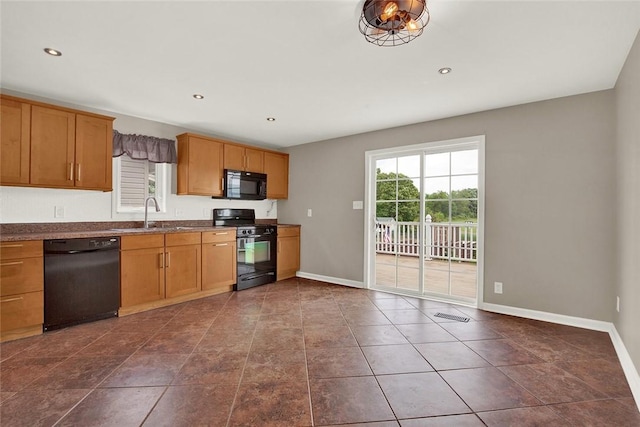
(146, 209)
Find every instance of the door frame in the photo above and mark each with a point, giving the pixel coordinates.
(370, 213)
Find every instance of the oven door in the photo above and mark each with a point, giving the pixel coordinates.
(256, 261)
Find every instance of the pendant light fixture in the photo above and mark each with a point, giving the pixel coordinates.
(393, 22)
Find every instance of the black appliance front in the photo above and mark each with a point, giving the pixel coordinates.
(244, 185)
(81, 281)
(256, 257)
(234, 217)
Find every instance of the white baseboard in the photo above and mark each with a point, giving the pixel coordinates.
(329, 279)
(628, 367)
(630, 371)
(579, 322)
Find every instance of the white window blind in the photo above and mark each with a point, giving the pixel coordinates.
(133, 182)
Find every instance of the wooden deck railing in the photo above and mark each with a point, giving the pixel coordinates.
(457, 242)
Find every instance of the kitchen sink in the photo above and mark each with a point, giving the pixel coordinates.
(151, 229)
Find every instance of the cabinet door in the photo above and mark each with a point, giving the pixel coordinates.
(94, 141)
(204, 167)
(52, 147)
(141, 276)
(182, 267)
(254, 160)
(276, 166)
(233, 157)
(218, 265)
(288, 256)
(15, 123)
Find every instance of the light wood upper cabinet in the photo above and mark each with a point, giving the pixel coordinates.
(48, 146)
(200, 166)
(94, 151)
(243, 158)
(276, 166)
(15, 122)
(53, 135)
(202, 160)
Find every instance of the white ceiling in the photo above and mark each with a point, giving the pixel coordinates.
(305, 62)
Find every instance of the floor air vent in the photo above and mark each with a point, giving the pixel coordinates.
(452, 317)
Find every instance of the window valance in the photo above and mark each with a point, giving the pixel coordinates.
(141, 147)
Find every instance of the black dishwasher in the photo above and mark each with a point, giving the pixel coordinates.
(81, 280)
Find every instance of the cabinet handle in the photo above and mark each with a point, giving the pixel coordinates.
(220, 234)
(278, 246)
(78, 172)
(6, 264)
(12, 299)
(161, 260)
(70, 171)
(10, 246)
(221, 244)
(168, 259)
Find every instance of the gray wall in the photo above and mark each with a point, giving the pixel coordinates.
(628, 166)
(550, 197)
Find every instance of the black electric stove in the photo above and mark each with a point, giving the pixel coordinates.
(256, 246)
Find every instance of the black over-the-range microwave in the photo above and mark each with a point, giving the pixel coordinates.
(244, 185)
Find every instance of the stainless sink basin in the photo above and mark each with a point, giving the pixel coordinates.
(137, 230)
(150, 230)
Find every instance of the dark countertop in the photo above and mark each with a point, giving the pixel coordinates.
(22, 232)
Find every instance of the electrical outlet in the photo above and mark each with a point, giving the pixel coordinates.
(497, 287)
(618, 304)
(309, 213)
(179, 212)
(206, 213)
(58, 212)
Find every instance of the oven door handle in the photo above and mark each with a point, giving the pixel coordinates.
(255, 276)
(261, 237)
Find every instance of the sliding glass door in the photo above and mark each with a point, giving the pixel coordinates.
(424, 224)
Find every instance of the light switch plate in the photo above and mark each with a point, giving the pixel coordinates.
(357, 204)
(309, 213)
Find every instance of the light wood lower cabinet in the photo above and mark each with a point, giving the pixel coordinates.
(141, 269)
(163, 269)
(21, 289)
(182, 264)
(288, 260)
(219, 270)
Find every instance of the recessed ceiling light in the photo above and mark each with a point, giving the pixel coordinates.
(52, 52)
(446, 70)
(271, 119)
(198, 96)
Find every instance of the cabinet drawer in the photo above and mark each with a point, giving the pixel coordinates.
(21, 311)
(22, 275)
(141, 242)
(228, 235)
(15, 250)
(288, 231)
(181, 239)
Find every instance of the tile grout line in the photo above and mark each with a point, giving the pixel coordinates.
(246, 361)
(110, 373)
(155, 405)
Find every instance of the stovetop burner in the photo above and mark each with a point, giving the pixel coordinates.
(244, 219)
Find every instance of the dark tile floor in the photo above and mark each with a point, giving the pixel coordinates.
(302, 353)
